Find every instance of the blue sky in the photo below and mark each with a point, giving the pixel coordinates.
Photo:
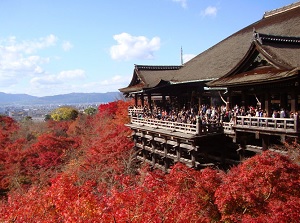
(50, 47)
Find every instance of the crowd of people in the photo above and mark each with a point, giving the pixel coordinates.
(207, 114)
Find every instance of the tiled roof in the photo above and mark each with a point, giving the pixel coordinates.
(145, 77)
(282, 53)
(157, 67)
(281, 10)
(258, 76)
(220, 59)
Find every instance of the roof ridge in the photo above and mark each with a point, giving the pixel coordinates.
(158, 67)
(276, 38)
(281, 10)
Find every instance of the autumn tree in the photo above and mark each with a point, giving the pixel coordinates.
(84, 170)
(7, 127)
(64, 113)
(90, 111)
(264, 188)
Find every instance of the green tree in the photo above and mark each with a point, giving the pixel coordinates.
(64, 113)
(90, 111)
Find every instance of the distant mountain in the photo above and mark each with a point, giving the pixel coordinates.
(15, 98)
(72, 98)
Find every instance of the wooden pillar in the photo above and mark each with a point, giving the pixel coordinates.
(283, 100)
(142, 99)
(153, 156)
(178, 150)
(262, 100)
(228, 101)
(164, 101)
(244, 100)
(268, 104)
(294, 102)
(143, 139)
(193, 158)
(166, 161)
(135, 99)
(150, 102)
(242, 139)
(265, 142)
(198, 125)
(199, 103)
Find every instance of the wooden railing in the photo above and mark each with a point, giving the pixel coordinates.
(280, 125)
(197, 129)
(135, 111)
(274, 124)
(228, 128)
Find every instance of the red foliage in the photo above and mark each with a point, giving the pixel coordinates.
(262, 189)
(184, 195)
(7, 127)
(49, 151)
(84, 171)
(108, 109)
(59, 128)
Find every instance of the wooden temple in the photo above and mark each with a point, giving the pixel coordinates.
(257, 67)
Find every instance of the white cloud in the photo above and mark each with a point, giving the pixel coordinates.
(187, 57)
(29, 47)
(66, 45)
(20, 60)
(14, 66)
(210, 11)
(17, 59)
(134, 47)
(60, 78)
(71, 74)
(182, 2)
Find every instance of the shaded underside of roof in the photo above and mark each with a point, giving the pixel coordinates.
(256, 76)
(221, 58)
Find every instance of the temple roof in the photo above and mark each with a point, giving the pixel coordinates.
(224, 57)
(279, 59)
(219, 60)
(145, 76)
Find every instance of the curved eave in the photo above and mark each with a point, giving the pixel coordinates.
(256, 77)
(130, 89)
(279, 64)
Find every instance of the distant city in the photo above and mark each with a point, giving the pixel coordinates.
(20, 106)
(38, 112)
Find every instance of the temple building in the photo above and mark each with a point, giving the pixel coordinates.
(256, 69)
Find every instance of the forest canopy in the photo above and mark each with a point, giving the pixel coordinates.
(83, 169)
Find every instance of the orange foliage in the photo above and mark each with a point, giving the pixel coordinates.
(84, 171)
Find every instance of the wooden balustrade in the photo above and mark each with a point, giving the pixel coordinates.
(283, 125)
(135, 111)
(196, 129)
(263, 123)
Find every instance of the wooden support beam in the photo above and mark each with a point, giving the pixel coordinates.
(294, 102)
(136, 99)
(265, 142)
(150, 102)
(178, 150)
(153, 162)
(193, 158)
(268, 104)
(142, 99)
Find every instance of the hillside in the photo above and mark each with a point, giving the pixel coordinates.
(85, 170)
(25, 99)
